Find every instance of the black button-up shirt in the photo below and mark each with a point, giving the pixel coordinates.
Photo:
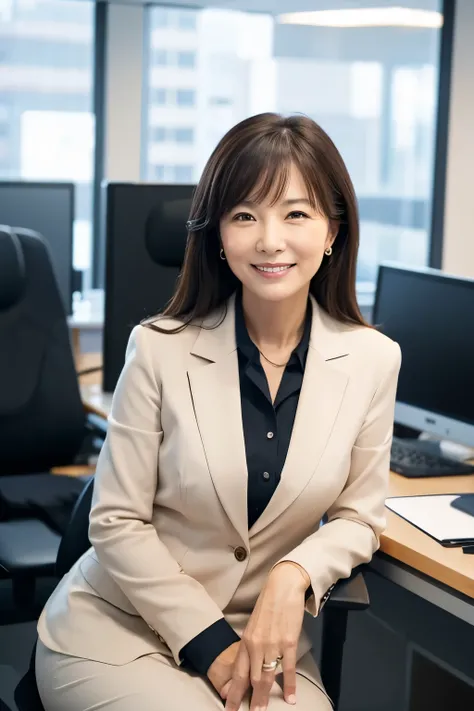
(267, 426)
(267, 433)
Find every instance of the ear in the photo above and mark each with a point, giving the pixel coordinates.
(332, 233)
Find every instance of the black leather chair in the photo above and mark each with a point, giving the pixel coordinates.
(347, 595)
(74, 542)
(42, 419)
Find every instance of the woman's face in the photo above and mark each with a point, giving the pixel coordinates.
(275, 250)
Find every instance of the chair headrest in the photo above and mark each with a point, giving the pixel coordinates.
(166, 233)
(12, 268)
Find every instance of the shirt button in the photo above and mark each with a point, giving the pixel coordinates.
(266, 476)
(240, 554)
(269, 435)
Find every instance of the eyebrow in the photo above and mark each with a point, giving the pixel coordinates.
(286, 203)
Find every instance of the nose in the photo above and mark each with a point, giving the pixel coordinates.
(271, 238)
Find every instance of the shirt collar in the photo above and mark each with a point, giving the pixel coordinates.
(248, 348)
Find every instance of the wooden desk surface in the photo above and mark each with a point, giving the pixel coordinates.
(401, 540)
(411, 546)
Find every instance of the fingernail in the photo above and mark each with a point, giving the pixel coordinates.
(292, 699)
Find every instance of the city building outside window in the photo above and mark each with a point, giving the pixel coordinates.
(373, 88)
(46, 102)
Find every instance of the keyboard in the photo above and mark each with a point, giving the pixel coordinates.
(412, 458)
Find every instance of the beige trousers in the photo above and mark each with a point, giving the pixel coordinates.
(150, 683)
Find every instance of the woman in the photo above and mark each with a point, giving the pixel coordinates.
(259, 402)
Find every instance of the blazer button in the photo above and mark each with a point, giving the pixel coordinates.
(240, 554)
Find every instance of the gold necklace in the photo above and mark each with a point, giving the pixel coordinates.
(275, 365)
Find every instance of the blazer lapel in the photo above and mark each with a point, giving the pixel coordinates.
(215, 389)
(319, 403)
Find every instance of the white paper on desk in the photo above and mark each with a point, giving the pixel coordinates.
(434, 515)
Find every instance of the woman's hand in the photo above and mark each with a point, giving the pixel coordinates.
(220, 671)
(273, 631)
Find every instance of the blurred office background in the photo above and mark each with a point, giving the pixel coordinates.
(198, 71)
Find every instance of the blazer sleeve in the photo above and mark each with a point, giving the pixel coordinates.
(174, 605)
(357, 518)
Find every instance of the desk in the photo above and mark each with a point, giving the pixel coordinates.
(93, 397)
(95, 400)
(87, 320)
(405, 543)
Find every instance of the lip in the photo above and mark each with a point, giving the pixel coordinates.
(273, 264)
(273, 275)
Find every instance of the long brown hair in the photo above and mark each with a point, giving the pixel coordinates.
(254, 158)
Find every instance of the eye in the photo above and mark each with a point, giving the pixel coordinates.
(297, 214)
(242, 217)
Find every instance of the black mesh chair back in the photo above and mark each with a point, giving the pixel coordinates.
(39, 392)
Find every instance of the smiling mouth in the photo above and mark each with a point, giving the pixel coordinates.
(273, 270)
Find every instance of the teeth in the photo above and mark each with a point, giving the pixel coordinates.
(273, 269)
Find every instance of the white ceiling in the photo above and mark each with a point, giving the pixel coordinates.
(279, 6)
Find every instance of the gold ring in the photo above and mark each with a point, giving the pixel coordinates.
(271, 666)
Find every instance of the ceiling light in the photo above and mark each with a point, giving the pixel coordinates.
(365, 17)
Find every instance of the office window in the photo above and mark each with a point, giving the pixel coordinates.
(187, 19)
(184, 135)
(46, 112)
(159, 134)
(219, 101)
(185, 97)
(374, 89)
(160, 17)
(160, 57)
(159, 172)
(183, 173)
(158, 97)
(187, 59)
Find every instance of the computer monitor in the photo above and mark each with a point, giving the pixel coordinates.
(145, 242)
(47, 208)
(431, 315)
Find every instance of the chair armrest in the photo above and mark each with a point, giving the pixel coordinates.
(94, 437)
(350, 594)
(27, 547)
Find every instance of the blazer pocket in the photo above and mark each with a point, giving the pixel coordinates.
(103, 585)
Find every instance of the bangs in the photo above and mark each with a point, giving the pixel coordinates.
(260, 171)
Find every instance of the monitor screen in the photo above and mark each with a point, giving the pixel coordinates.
(146, 238)
(47, 208)
(431, 316)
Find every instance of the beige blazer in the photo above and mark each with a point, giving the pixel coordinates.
(171, 548)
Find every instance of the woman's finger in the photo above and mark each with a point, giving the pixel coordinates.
(289, 675)
(225, 689)
(240, 680)
(261, 679)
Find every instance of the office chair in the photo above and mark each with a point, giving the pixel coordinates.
(347, 595)
(146, 239)
(42, 419)
(74, 542)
